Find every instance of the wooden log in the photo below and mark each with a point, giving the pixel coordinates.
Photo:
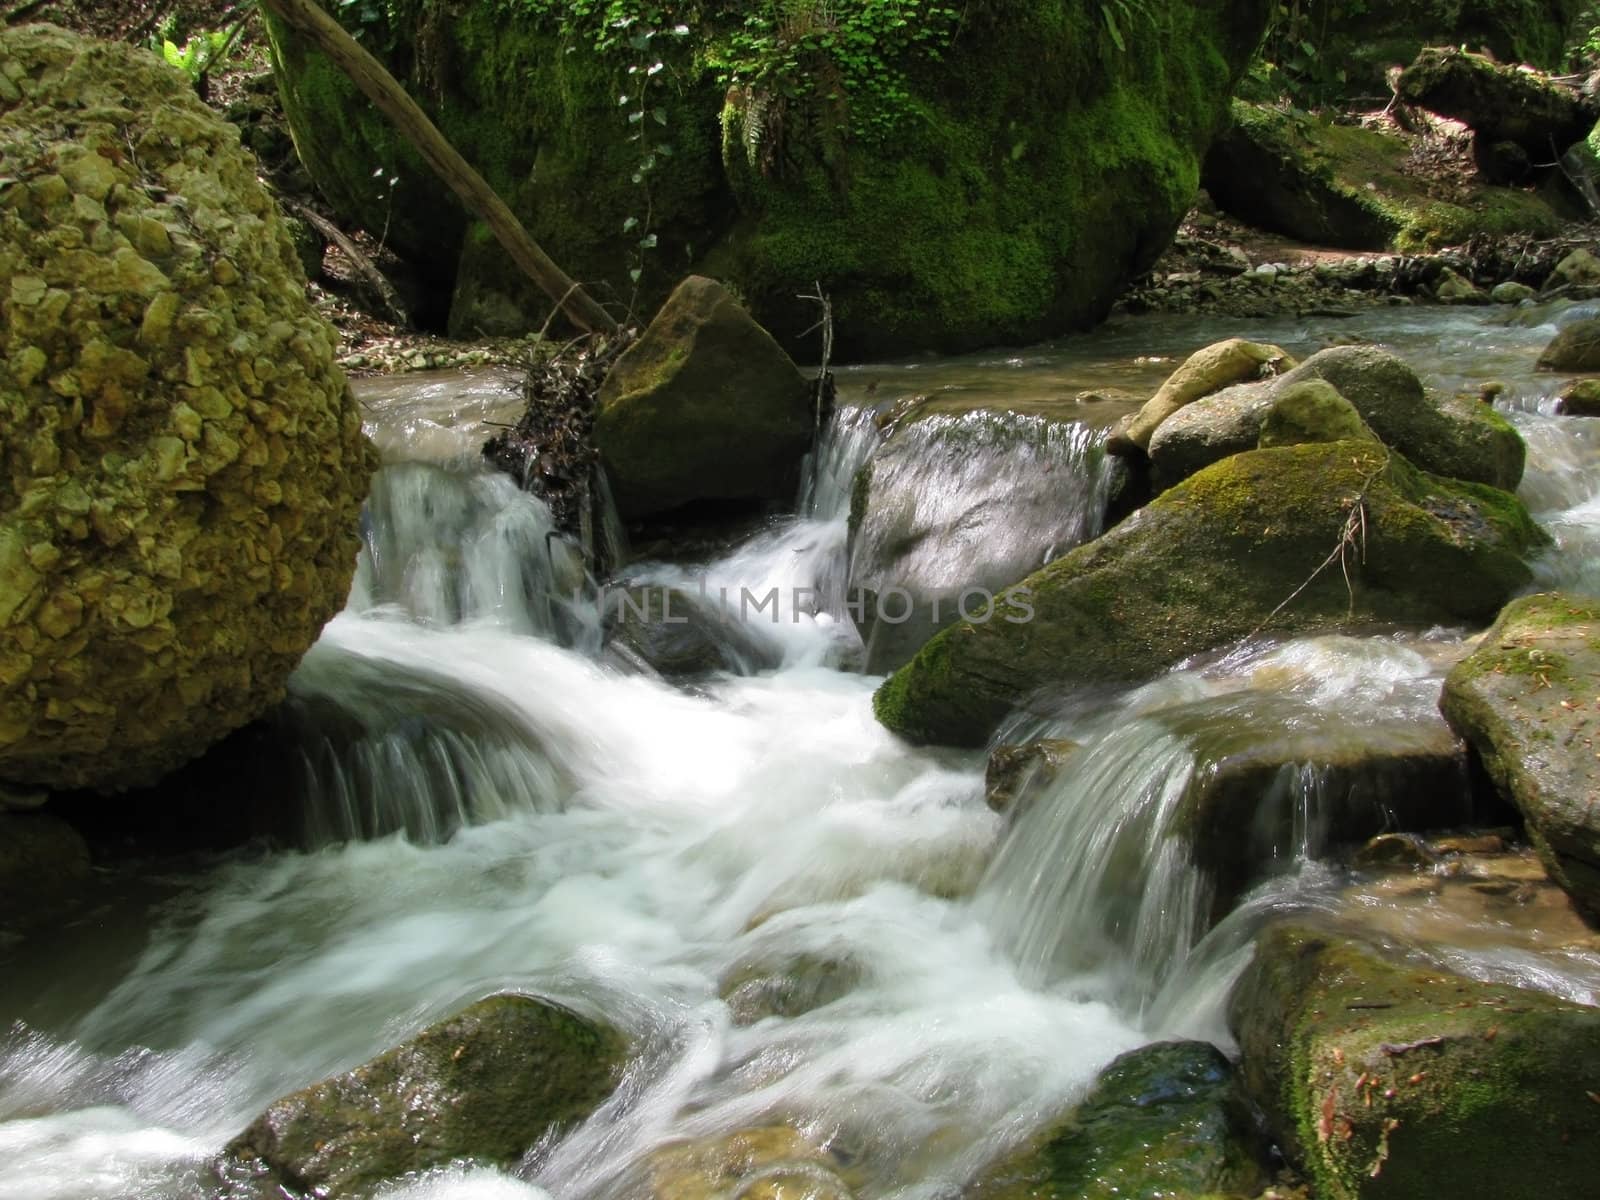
(391, 99)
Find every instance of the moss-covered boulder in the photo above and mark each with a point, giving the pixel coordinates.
(977, 173)
(704, 406)
(1517, 118)
(484, 1085)
(1526, 701)
(1456, 436)
(1248, 544)
(771, 1162)
(182, 464)
(1166, 1120)
(1575, 347)
(1382, 1079)
(1344, 185)
(954, 507)
(1312, 410)
(1581, 398)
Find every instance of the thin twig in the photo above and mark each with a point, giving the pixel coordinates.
(364, 265)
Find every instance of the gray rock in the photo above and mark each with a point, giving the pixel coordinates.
(1207, 431)
(1525, 700)
(1575, 347)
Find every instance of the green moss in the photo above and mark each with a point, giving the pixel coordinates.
(1216, 558)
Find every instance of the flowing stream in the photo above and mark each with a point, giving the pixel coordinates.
(482, 801)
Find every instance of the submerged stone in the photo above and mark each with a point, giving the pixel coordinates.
(1164, 1120)
(1527, 702)
(679, 635)
(1379, 1078)
(484, 1085)
(1244, 546)
(788, 987)
(1016, 774)
(767, 1163)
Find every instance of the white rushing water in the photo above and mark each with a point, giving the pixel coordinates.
(485, 804)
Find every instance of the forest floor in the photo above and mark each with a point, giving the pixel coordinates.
(1216, 265)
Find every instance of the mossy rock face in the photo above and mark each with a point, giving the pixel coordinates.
(1525, 700)
(182, 466)
(1456, 436)
(484, 1085)
(953, 508)
(704, 406)
(1342, 185)
(1215, 559)
(1312, 410)
(1027, 174)
(1576, 347)
(1379, 1079)
(1162, 1121)
(1580, 398)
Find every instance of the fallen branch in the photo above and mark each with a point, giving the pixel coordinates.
(380, 87)
(363, 265)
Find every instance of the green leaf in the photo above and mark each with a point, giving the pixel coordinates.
(630, 225)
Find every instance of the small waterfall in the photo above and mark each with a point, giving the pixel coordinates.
(1191, 789)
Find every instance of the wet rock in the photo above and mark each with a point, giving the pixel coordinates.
(1204, 372)
(1396, 850)
(1215, 559)
(183, 464)
(1526, 700)
(679, 635)
(1516, 117)
(704, 406)
(1311, 410)
(1575, 347)
(1581, 398)
(1578, 269)
(956, 507)
(1446, 435)
(788, 987)
(1378, 1078)
(768, 1163)
(1016, 773)
(1163, 1120)
(1454, 288)
(42, 861)
(1511, 292)
(485, 1084)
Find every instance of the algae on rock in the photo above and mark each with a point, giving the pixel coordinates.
(182, 464)
(1248, 544)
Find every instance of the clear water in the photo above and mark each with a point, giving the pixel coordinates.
(486, 806)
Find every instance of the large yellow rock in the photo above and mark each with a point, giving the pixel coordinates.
(1203, 372)
(181, 462)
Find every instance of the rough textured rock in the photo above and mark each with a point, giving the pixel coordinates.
(1454, 288)
(704, 406)
(1205, 371)
(1311, 410)
(1345, 185)
(1380, 1079)
(1526, 701)
(1015, 774)
(954, 508)
(485, 1084)
(932, 204)
(768, 1163)
(1504, 107)
(1212, 560)
(1575, 347)
(1580, 268)
(678, 635)
(1511, 292)
(182, 465)
(1165, 1120)
(1456, 436)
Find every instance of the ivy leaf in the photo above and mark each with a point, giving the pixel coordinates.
(660, 115)
(647, 242)
(630, 225)
(634, 273)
